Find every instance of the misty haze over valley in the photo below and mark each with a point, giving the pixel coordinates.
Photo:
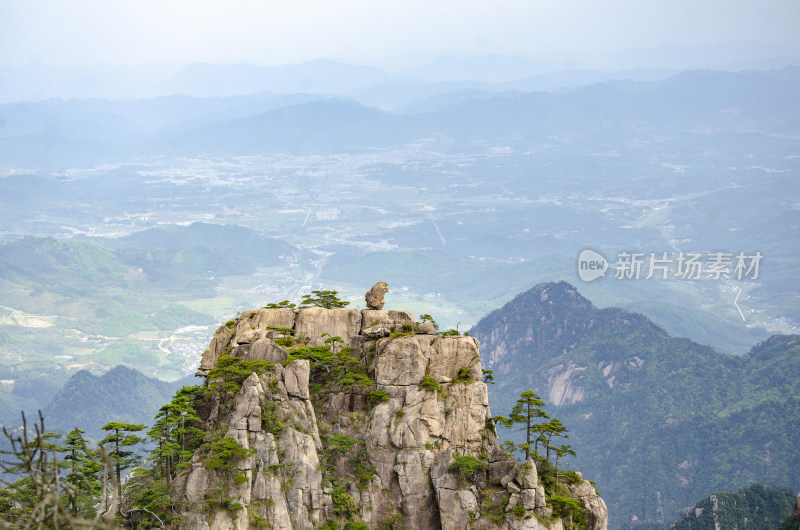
(152, 189)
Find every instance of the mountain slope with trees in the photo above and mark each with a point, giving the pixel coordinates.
(122, 394)
(660, 421)
(754, 508)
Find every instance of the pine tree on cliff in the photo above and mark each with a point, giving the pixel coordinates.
(83, 467)
(525, 413)
(326, 299)
(120, 439)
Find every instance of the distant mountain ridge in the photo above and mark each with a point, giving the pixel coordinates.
(660, 421)
(70, 130)
(754, 508)
(121, 394)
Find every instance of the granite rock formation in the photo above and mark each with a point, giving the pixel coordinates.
(385, 455)
(374, 296)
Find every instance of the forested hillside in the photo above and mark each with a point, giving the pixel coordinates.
(660, 421)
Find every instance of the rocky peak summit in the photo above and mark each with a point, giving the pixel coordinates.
(402, 436)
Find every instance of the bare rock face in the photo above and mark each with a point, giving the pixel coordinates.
(426, 328)
(312, 322)
(262, 319)
(265, 350)
(212, 353)
(596, 510)
(384, 453)
(393, 320)
(374, 296)
(295, 377)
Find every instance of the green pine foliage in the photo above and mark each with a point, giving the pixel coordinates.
(149, 499)
(82, 468)
(120, 445)
(326, 299)
(283, 304)
(463, 376)
(429, 383)
(524, 415)
(176, 433)
(468, 466)
(221, 455)
(568, 508)
(426, 316)
(756, 507)
(331, 368)
(230, 372)
(377, 396)
(354, 451)
(50, 481)
(539, 431)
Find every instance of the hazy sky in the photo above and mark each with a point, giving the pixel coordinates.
(89, 32)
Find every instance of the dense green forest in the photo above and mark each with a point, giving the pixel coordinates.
(657, 421)
(756, 508)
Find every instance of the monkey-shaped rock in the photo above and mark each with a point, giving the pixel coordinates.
(374, 296)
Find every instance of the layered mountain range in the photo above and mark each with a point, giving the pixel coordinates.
(658, 421)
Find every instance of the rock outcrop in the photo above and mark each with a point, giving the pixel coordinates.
(411, 445)
(374, 296)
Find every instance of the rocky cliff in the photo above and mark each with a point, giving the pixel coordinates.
(359, 419)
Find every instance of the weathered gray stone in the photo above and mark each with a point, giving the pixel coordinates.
(222, 338)
(527, 476)
(248, 337)
(374, 296)
(402, 361)
(394, 320)
(452, 514)
(261, 319)
(410, 474)
(196, 484)
(312, 322)
(260, 487)
(254, 424)
(246, 402)
(465, 424)
(596, 510)
(540, 497)
(501, 469)
(451, 354)
(376, 332)
(528, 498)
(266, 350)
(468, 500)
(295, 376)
(426, 328)
(513, 500)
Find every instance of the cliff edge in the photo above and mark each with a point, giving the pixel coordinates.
(358, 419)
